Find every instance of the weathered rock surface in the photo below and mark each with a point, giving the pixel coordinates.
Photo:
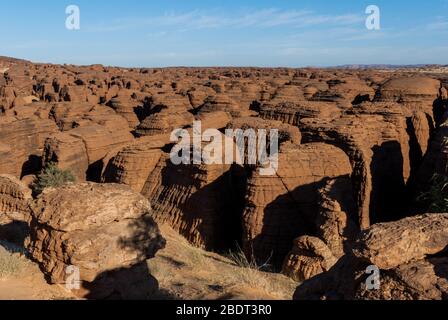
(310, 256)
(282, 207)
(15, 199)
(413, 267)
(164, 122)
(21, 144)
(388, 245)
(356, 149)
(68, 152)
(134, 163)
(195, 200)
(79, 149)
(104, 230)
(292, 113)
(336, 220)
(375, 136)
(286, 132)
(415, 91)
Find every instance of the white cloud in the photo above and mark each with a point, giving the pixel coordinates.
(440, 24)
(266, 18)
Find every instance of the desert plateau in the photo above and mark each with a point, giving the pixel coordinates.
(87, 187)
(223, 159)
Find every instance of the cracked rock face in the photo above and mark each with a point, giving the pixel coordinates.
(104, 230)
(15, 199)
(22, 142)
(281, 207)
(310, 256)
(410, 255)
(392, 244)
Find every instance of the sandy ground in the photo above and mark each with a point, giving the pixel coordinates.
(185, 272)
(24, 280)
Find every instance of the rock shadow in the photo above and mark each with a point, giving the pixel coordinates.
(15, 232)
(288, 217)
(213, 211)
(389, 194)
(133, 282)
(31, 166)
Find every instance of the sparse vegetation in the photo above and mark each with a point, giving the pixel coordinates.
(52, 176)
(251, 273)
(240, 259)
(437, 195)
(192, 273)
(11, 264)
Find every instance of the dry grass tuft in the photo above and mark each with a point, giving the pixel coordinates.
(188, 272)
(11, 264)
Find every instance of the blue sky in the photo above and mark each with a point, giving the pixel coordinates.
(291, 33)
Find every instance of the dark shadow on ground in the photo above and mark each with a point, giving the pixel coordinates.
(135, 281)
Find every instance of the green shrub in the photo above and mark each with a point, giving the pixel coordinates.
(52, 177)
(437, 195)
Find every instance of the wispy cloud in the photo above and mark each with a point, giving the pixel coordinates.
(197, 19)
(440, 24)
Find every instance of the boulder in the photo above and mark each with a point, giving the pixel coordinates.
(104, 230)
(412, 264)
(388, 245)
(310, 256)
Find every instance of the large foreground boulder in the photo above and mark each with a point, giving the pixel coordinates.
(392, 244)
(104, 230)
(411, 258)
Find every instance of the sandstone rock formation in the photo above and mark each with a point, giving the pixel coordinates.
(83, 148)
(309, 257)
(104, 230)
(376, 138)
(195, 200)
(412, 262)
(22, 142)
(15, 200)
(392, 244)
(336, 220)
(279, 208)
(133, 164)
(357, 149)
